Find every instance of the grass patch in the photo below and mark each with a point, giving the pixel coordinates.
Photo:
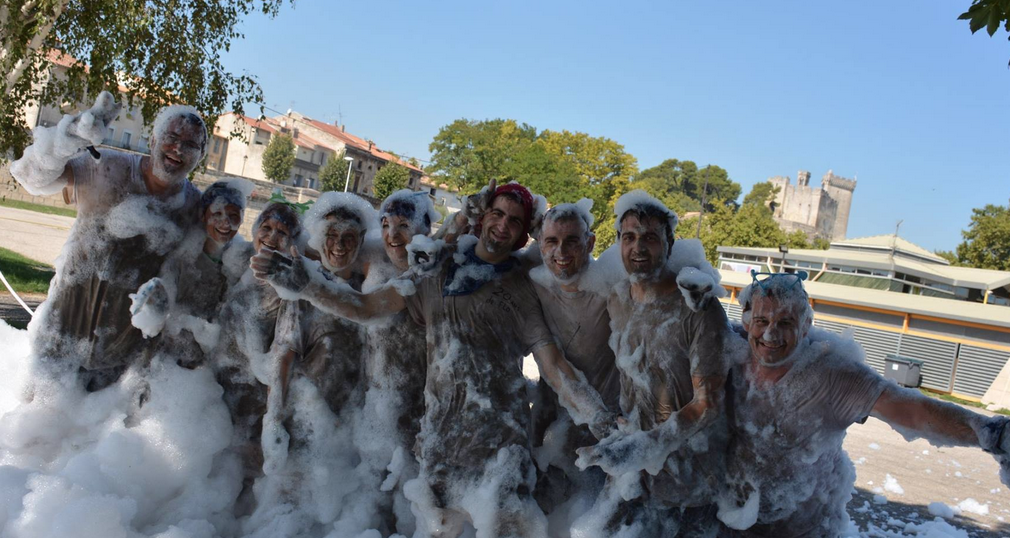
(962, 401)
(39, 208)
(25, 275)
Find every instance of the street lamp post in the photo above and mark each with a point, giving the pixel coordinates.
(347, 181)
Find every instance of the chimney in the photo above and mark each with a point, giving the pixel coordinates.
(343, 128)
(369, 145)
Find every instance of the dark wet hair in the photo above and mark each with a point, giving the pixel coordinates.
(283, 213)
(651, 211)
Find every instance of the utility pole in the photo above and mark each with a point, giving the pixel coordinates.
(704, 200)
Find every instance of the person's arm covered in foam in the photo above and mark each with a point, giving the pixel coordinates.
(297, 277)
(914, 414)
(581, 400)
(42, 169)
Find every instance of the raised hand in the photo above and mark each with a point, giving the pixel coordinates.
(697, 286)
(283, 272)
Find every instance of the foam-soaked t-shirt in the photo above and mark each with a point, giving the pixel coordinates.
(119, 240)
(660, 345)
(475, 391)
(581, 325)
(787, 436)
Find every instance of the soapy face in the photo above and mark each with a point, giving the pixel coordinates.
(221, 221)
(396, 234)
(341, 244)
(177, 151)
(774, 330)
(643, 245)
(502, 225)
(272, 234)
(565, 247)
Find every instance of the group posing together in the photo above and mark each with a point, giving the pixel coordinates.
(654, 416)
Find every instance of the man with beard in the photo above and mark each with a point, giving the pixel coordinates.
(790, 404)
(132, 210)
(672, 375)
(482, 317)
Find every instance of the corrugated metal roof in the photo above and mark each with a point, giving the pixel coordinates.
(970, 277)
(886, 242)
(997, 316)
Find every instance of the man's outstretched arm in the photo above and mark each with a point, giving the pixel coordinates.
(293, 279)
(581, 400)
(916, 415)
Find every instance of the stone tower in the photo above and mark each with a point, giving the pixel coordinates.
(840, 189)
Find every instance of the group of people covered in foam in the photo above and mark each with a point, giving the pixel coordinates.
(654, 415)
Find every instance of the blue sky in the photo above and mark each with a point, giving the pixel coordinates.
(897, 94)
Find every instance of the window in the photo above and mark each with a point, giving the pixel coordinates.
(359, 164)
(112, 134)
(126, 138)
(217, 144)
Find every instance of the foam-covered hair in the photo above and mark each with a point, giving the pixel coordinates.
(189, 114)
(579, 210)
(642, 204)
(234, 191)
(785, 289)
(413, 206)
(343, 205)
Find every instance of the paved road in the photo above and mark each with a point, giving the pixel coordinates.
(36, 235)
(926, 474)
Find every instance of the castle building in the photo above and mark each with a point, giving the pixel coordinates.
(818, 212)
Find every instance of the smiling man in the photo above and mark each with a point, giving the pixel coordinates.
(672, 376)
(481, 316)
(132, 210)
(791, 403)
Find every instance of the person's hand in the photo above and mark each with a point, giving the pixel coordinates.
(475, 205)
(283, 272)
(90, 127)
(623, 453)
(697, 287)
(603, 424)
(149, 307)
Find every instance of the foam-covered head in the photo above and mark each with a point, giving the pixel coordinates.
(645, 206)
(403, 215)
(337, 224)
(645, 234)
(223, 206)
(178, 142)
(566, 239)
(777, 317)
(278, 228)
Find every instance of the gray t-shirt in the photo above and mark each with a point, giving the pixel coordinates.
(787, 437)
(660, 346)
(475, 390)
(119, 240)
(580, 323)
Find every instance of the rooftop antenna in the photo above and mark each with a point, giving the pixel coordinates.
(340, 116)
(894, 240)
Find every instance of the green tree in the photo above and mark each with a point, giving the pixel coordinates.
(683, 181)
(468, 153)
(986, 242)
(988, 14)
(749, 226)
(390, 178)
(948, 255)
(333, 175)
(161, 53)
(821, 243)
(599, 163)
(278, 158)
(761, 194)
